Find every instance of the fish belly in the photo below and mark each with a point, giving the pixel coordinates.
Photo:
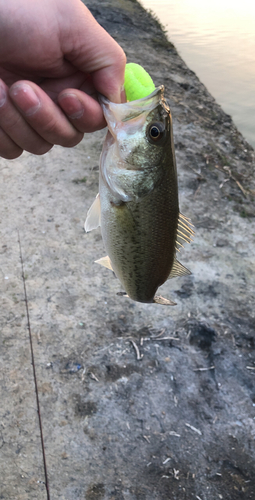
(140, 239)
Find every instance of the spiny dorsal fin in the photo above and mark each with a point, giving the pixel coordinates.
(178, 270)
(93, 219)
(158, 299)
(105, 261)
(184, 231)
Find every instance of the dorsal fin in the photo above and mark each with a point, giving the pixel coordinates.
(178, 270)
(93, 219)
(105, 261)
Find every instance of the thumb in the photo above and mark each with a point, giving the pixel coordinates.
(95, 52)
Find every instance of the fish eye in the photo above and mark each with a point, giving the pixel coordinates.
(155, 132)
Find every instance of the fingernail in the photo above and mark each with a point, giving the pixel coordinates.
(123, 97)
(71, 105)
(119, 96)
(2, 95)
(25, 98)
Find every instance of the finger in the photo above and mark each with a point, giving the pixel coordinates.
(84, 112)
(43, 115)
(53, 86)
(109, 80)
(92, 50)
(76, 95)
(8, 149)
(16, 128)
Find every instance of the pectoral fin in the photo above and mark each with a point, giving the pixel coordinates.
(158, 299)
(105, 261)
(93, 219)
(178, 270)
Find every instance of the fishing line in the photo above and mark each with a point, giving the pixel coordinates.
(34, 373)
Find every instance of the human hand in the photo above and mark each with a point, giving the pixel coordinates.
(54, 59)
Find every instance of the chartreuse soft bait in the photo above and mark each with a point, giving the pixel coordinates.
(138, 82)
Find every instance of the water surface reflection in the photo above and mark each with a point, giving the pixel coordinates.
(217, 41)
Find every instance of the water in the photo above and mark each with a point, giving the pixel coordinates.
(217, 41)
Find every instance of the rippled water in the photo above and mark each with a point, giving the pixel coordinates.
(217, 41)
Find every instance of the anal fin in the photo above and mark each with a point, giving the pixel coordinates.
(158, 299)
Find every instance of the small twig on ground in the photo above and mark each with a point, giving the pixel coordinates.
(93, 376)
(149, 338)
(173, 433)
(224, 182)
(164, 338)
(144, 339)
(194, 429)
(227, 169)
(138, 355)
(204, 369)
(176, 474)
(197, 190)
(160, 333)
(146, 439)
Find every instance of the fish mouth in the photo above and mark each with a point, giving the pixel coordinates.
(126, 130)
(115, 113)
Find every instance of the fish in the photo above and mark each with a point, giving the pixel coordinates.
(137, 206)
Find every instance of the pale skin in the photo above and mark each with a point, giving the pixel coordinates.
(54, 60)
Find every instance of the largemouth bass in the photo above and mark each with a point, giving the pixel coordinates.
(137, 206)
